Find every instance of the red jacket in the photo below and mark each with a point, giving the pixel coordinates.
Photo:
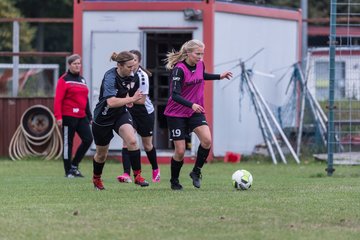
(71, 97)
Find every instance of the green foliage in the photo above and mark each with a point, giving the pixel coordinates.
(285, 202)
(50, 37)
(319, 9)
(45, 9)
(54, 37)
(8, 10)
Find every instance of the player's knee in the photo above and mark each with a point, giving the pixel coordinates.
(132, 144)
(206, 143)
(100, 157)
(180, 153)
(148, 147)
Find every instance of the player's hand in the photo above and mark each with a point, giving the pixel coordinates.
(197, 108)
(137, 95)
(129, 105)
(226, 75)
(59, 122)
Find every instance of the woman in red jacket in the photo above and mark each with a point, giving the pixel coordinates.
(72, 113)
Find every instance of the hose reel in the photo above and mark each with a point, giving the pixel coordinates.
(37, 135)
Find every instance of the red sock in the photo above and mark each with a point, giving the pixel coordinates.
(136, 172)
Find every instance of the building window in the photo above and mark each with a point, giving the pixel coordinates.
(323, 83)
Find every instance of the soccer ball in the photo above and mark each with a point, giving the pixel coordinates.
(242, 179)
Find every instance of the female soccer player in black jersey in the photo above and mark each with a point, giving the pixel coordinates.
(142, 112)
(111, 114)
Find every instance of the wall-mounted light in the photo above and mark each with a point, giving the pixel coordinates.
(191, 14)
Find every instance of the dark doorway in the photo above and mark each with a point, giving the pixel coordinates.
(157, 46)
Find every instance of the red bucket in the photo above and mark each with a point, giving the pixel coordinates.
(232, 157)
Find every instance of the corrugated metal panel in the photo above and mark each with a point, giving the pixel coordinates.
(11, 111)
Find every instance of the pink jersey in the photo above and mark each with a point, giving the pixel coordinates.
(192, 90)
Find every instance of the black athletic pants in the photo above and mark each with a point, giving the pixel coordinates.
(82, 127)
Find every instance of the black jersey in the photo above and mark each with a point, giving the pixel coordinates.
(112, 86)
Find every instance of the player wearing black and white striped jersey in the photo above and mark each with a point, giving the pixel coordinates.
(142, 112)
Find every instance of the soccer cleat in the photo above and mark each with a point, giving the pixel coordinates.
(75, 171)
(196, 177)
(175, 184)
(139, 180)
(124, 178)
(69, 175)
(156, 175)
(98, 184)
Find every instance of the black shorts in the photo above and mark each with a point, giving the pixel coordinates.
(104, 134)
(144, 124)
(180, 127)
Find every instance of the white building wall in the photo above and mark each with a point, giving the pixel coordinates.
(239, 37)
(105, 32)
(125, 23)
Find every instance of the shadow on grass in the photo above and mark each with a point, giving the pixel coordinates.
(323, 175)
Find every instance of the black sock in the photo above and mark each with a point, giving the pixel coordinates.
(175, 168)
(135, 159)
(152, 158)
(126, 160)
(98, 168)
(202, 154)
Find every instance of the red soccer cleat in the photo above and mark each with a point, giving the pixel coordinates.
(139, 180)
(98, 184)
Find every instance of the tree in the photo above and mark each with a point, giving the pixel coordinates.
(27, 33)
(49, 37)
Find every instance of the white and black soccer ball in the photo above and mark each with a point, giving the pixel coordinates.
(242, 179)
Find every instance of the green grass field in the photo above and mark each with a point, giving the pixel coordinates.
(285, 202)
